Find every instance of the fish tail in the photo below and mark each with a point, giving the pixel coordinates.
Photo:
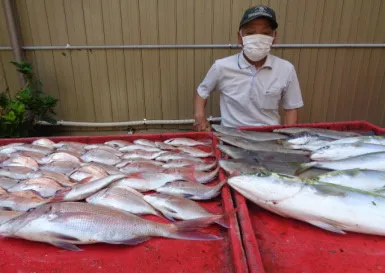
(59, 195)
(188, 229)
(305, 166)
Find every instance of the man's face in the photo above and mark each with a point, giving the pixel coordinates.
(256, 26)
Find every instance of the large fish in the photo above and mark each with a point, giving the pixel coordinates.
(330, 207)
(257, 146)
(123, 198)
(173, 207)
(367, 180)
(68, 224)
(375, 161)
(255, 136)
(191, 190)
(343, 151)
(84, 190)
(317, 131)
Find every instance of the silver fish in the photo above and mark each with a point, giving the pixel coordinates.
(195, 152)
(142, 154)
(6, 215)
(190, 163)
(59, 156)
(191, 190)
(58, 177)
(343, 151)
(126, 162)
(193, 175)
(84, 190)
(144, 142)
(317, 131)
(147, 181)
(136, 147)
(44, 142)
(123, 198)
(135, 167)
(64, 167)
(75, 145)
(257, 146)
(250, 135)
(103, 147)
(34, 148)
(21, 161)
(9, 148)
(163, 146)
(46, 187)
(327, 206)
(378, 140)
(187, 141)
(6, 182)
(68, 224)
(22, 200)
(100, 156)
(234, 166)
(118, 143)
(18, 173)
(174, 207)
(366, 180)
(167, 156)
(374, 161)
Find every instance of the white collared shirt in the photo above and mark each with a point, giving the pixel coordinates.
(251, 97)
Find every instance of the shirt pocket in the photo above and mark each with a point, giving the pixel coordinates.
(271, 98)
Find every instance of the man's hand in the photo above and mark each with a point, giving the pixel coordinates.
(201, 123)
(291, 116)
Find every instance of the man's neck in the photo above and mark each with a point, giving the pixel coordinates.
(257, 64)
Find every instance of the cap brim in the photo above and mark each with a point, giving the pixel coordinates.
(273, 23)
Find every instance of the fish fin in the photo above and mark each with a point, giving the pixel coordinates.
(169, 217)
(135, 241)
(329, 225)
(60, 194)
(64, 237)
(187, 230)
(66, 245)
(188, 195)
(305, 166)
(331, 189)
(222, 222)
(86, 180)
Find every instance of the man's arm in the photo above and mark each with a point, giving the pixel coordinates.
(204, 90)
(201, 123)
(291, 116)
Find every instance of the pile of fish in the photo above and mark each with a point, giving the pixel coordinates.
(330, 179)
(71, 193)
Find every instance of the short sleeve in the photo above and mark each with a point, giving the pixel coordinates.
(209, 83)
(292, 97)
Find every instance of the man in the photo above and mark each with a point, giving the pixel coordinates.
(252, 83)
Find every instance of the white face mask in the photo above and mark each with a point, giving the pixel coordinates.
(257, 46)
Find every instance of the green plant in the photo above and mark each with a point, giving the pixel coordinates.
(19, 115)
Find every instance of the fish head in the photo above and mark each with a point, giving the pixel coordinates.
(266, 186)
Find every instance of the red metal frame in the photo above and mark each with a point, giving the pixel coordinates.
(156, 255)
(267, 252)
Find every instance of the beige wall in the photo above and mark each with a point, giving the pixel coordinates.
(120, 85)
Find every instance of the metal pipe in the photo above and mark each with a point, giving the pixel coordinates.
(126, 123)
(203, 46)
(14, 35)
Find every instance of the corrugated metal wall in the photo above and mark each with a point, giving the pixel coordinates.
(120, 85)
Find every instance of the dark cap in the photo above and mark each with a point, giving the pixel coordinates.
(259, 12)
